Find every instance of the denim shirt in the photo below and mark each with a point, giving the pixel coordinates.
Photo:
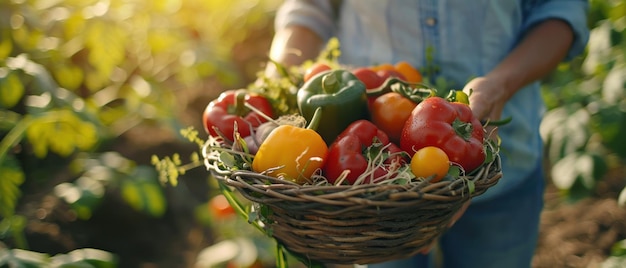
(463, 39)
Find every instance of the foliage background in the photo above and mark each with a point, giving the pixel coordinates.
(89, 90)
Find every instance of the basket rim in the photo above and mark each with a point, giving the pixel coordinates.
(261, 188)
(487, 175)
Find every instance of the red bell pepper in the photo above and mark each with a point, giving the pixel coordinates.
(356, 147)
(229, 108)
(450, 126)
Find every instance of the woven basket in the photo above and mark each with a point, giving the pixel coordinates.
(360, 224)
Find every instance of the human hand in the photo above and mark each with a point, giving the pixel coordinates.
(487, 99)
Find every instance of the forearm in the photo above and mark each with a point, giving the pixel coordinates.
(294, 45)
(541, 50)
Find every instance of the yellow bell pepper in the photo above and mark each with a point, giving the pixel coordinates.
(292, 153)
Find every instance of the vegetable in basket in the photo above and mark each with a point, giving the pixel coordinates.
(361, 148)
(409, 72)
(450, 126)
(315, 69)
(221, 114)
(430, 161)
(393, 103)
(291, 152)
(390, 111)
(342, 97)
(387, 70)
(262, 131)
(369, 77)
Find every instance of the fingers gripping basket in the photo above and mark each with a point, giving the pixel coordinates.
(367, 223)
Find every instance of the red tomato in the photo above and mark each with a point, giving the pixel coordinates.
(315, 69)
(389, 113)
(369, 77)
(385, 74)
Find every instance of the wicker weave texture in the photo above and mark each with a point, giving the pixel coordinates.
(360, 224)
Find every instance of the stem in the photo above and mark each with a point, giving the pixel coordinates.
(412, 91)
(330, 84)
(14, 136)
(497, 122)
(190, 166)
(463, 129)
(451, 96)
(259, 112)
(240, 102)
(281, 256)
(284, 72)
(315, 120)
(8, 119)
(20, 238)
(237, 206)
(385, 87)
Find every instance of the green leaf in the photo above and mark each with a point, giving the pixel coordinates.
(281, 256)
(454, 171)
(576, 175)
(609, 121)
(84, 195)
(228, 159)
(564, 172)
(599, 47)
(14, 227)
(471, 186)
(61, 131)
(619, 248)
(8, 120)
(42, 82)
(11, 88)
(11, 177)
(69, 76)
(23, 258)
(86, 257)
(105, 42)
(614, 84)
(6, 45)
(565, 131)
(143, 193)
(621, 200)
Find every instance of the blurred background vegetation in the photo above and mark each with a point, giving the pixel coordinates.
(90, 89)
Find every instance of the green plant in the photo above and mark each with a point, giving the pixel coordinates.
(88, 258)
(77, 75)
(617, 258)
(586, 121)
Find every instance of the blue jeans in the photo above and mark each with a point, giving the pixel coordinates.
(500, 232)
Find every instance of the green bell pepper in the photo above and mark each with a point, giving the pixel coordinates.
(342, 98)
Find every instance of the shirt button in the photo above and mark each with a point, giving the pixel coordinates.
(431, 21)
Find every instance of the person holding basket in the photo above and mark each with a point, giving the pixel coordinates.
(498, 51)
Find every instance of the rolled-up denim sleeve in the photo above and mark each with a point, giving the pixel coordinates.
(317, 15)
(573, 12)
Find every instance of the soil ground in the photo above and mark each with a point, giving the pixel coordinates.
(581, 234)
